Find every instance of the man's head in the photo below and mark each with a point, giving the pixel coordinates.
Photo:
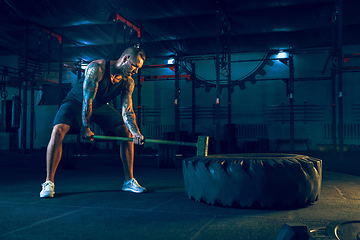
(131, 60)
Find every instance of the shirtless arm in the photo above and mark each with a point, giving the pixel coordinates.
(93, 74)
(128, 113)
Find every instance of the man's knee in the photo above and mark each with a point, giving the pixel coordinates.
(59, 131)
(123, 131)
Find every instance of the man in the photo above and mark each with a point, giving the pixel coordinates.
(88, 101)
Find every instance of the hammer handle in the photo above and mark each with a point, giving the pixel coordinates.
(190, 144)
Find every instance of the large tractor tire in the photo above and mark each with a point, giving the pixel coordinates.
(253, 180)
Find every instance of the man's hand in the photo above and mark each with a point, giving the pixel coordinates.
(138, 139)
(87, 134)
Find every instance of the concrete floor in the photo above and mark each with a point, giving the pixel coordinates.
(89, 204)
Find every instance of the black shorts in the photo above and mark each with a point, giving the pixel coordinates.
(105, 116)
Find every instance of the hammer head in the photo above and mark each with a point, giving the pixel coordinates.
(202, 146)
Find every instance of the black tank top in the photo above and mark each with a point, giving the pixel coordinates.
(105, 93)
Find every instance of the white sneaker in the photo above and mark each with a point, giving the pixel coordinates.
(133, 186)
(48, 189)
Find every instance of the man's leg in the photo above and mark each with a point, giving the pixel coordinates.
(54, 150)
(126, 152)
(111, 121)
(53, 156)
(127, 157)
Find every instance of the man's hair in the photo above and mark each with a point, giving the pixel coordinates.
(133, 52)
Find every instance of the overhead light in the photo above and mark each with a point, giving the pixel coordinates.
(171, 61)
(282, 54)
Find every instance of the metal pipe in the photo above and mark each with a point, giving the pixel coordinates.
(217, 66)
(230, 132)
(32, 115)
(333, 87)
(177, 101)
(114, 49)
(340, 84)
(291, 101)
(61, 87)
(120, 18)
(138, 115)
(114, 33)
(193, 101)
(24, 102)
(190, 144)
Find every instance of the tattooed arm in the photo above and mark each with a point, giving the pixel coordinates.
(128, 113)
(93, 75)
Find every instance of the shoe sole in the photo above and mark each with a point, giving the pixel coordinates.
(132, 190)
(47, 195)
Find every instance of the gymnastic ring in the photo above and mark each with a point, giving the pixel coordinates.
(4, 94)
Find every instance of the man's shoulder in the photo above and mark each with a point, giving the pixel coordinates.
(101, 62)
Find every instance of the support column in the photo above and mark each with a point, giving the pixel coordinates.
(217, 65)
(114, 46)
(139, 86)
(193, 101)
(32, 115)
(138, 115)
(24, 85)
(177, 101)
(340, 87)
(61, 87)
(333, 84)
(291, 101)
(114, 49)
(230, 132)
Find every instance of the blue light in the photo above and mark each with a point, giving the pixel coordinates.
(171, 61)
(282, 55)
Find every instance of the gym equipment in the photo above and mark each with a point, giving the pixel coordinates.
(166, 151)
(201, 144)
(166, 156)
(69, 156)
(344, 229)
(257, 180)
(292, 231)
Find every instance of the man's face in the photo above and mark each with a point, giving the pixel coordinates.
(132, 66)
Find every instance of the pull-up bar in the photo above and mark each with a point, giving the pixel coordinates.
(118, 17)
(59, 37)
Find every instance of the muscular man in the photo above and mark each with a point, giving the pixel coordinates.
(88, 101)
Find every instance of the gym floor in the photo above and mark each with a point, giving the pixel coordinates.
(89, 203)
